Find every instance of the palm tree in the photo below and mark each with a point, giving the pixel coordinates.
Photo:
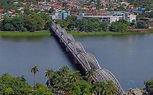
(34, 70)
(110, 88)
(49, 73)
(64, 71)
(99, 87)
(74, 76)
(89, 74)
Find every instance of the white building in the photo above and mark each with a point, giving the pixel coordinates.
(109, 18)
(130, 17)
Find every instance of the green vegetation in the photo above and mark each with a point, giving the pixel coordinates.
(71, 23)
(13, 85)
(148, 87)
(62, 81)
(21, 34)
(34, 70)
(103, 33)
(151, 30)
(31, 21)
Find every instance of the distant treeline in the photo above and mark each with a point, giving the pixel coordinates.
(26, 22)
(71, 23)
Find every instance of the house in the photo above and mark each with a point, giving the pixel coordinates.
(131, 8)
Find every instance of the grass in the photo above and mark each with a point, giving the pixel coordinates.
(74, 33)
(20, 34)
(151, 30)
(102, 33)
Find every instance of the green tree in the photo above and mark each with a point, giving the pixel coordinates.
(13, 85)
(62, 23)
(89, 74)
(74, 76)
(71, 20)
(41, 89)
(38, 19)
(8, 27)
(110, 88)
(99, 87)
(93, 25)
(119, 26)
(104, 26)
(47, 20)
(149, 86)
(34, 70)
(18, 23)
(81, 87)
(29, 23)
(49, 73)
(82, 24)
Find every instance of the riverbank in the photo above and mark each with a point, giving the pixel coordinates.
(20, 34)
(74, 33)
(105, 33)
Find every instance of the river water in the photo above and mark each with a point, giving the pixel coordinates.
(128, 57)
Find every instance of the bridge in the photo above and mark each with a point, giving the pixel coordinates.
(85, 59)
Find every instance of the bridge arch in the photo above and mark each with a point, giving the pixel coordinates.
(70, 38)
(101, 74)
(76, 47)
(84, 61)
(92, 61)
(79, 46)
(118, 86)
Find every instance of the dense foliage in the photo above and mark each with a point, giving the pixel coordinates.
(26, 22)
(62, 81)
(148, 87)
(71, 82)
(13, 85)
(71, 23)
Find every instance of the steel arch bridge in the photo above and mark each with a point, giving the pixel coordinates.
(87, 60)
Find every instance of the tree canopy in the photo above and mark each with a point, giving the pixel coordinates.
(62, 81)
(26, 22)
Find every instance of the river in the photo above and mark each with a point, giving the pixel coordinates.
(128, 57)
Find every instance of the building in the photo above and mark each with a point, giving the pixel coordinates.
(130, 17)
(102, 18)
(111, 17)
(59, 15)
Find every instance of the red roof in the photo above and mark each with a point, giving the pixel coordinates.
(23, 3)
(1, 10)
(131, 6)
